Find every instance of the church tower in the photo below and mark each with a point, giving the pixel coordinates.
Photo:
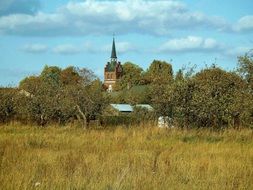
(113, 70)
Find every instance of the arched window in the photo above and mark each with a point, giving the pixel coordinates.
(108, 76)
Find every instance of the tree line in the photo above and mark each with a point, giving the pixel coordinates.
(55, 96)
(211, 97)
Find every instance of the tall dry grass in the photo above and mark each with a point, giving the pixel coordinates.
(135, 158)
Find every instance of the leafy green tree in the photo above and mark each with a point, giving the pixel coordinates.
(98, 100)
(159, 72)
(7, 111)
(182, 99)
(143, 115)
(87, 76)
(30, 84)
(132, 74)
(160, 75)
(245, 67)
(162, 99)
(39, 107)
(179, 75)
(51, 75)
(61, 96)
(138, 95)
(70, 76)
(135, 95)
(218, 98)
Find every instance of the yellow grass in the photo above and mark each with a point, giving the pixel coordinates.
(136, 158)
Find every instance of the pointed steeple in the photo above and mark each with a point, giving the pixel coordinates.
(113, 55)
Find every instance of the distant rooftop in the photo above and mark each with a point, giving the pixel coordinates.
(122, 107)
(129, 108)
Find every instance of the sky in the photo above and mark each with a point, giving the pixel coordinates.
(186, 33)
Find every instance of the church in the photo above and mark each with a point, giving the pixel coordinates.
(113, 70)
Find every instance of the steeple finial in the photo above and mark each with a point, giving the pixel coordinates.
(113, 55)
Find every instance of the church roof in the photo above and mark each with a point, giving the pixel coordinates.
(110, 67)
(113, 54)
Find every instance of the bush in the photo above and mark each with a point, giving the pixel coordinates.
(7, 111)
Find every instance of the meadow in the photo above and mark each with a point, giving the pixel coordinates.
(139, 157)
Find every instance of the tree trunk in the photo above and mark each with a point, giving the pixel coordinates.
(84, 123)
(237, 121)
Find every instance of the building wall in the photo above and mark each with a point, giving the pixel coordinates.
(110, 77)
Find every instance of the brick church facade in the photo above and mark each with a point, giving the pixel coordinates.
(113, 70)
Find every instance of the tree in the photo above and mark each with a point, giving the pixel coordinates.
(160, 75)
(51, 75)
(60, 96)
(96, 98)
(70, 76)
(138, 95)
(40, 101)
(87, 76)
(40, 107)
(179, 75)
(245, 68)
(159, 72)
(182, 98)
(143, 115)
(162, 99)
(132, 74)
(7, 111)
(218, 98)
(30, 84)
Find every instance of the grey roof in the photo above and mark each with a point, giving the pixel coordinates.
(129, 108)
(123, 107)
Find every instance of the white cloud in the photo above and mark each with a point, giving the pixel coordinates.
(106, 17)
(196, 44)
(244, 24)
(66, 49)
(190, 44)
(69, 49)
(35, 48)
(40, 24)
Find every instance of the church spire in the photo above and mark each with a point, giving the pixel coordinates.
(113, 55)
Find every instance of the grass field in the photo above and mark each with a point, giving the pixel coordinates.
(136, 158)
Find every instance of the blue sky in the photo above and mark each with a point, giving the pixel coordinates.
(35, 33)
